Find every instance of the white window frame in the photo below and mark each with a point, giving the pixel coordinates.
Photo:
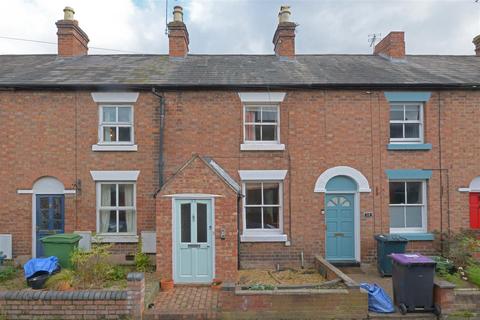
(257, 232)
(424, 206)
(117, 208)
(116, 124)
(418, 140)
(261, 105)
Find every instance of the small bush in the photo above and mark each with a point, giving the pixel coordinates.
(117, 273)
(460, 247)
(7, 273)
(92, 267)
(142, 261)
(64, 280)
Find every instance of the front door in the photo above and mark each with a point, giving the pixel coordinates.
(50, 217)
(193, 241)
(340, 243)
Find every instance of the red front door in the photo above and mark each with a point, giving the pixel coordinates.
(475, 210)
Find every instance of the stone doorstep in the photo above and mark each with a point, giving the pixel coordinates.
(398, 316)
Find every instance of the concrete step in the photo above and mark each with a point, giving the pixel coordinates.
(399, 316)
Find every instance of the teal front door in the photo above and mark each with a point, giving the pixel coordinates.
(339, 218)
(193, 261)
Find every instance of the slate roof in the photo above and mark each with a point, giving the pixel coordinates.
(238, 71)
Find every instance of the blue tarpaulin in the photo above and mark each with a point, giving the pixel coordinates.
(40, 264)
(378, 299)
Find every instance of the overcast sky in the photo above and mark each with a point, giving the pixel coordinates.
(245, 26)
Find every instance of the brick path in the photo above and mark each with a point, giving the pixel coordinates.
(187, 302)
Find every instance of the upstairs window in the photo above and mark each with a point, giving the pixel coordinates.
(116, 124)
(406, 123)
(261, 124)
(408, 206)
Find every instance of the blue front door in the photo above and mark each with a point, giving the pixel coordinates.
(193, 241)
(340, 240)
(50, 217)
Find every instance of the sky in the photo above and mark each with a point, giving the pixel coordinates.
(245, 26)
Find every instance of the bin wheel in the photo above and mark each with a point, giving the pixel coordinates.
(403, 308)
(437, 310)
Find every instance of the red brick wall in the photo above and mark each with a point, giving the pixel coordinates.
(197, 178)
(51, 133)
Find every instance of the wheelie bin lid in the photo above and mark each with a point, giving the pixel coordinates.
(390, 238)
(62, 238)
(411, 259)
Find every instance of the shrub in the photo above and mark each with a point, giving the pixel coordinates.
(142, 261)
(7, 273)
(92, 267)
(460, 247)
(117, 273)
(64, 280)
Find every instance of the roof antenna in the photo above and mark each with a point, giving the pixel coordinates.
(166, 17)
(374, 37)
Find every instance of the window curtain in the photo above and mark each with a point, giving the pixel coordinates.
(106, 200)
(249, 129)
(129, 214)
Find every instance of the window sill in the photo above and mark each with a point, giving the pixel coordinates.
(115, 238)
(424, 236)
(106, 147)
(263, 238)
(409, 146)
(262, 147)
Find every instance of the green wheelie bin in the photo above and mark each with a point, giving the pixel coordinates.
(61, 245)
(386, 245)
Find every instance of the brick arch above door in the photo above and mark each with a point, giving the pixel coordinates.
(357, 176)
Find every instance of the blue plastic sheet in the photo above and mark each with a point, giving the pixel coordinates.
(40, 264)
(378, 299)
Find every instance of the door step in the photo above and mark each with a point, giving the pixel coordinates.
(341, 264)
(399, 316)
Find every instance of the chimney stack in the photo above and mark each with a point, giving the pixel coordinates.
(284, 38)
(476, 42)
(392, 46)
(177, 35)
(72, 40)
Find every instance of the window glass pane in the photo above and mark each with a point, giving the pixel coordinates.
(109, 114)
(125, 195)
(109, 198)
(250, 133)
(124, 134)
(414, 192)
(109, 134)
(252, 114)
(122, 221)
(270, 218)
(269, 114)
(397, 192)
(397, 217)
(108, 221)
(258, 133)
(254, 193)
(269, 133)
(270, 193)
(44, 214)
(253, 217)
(414, 217)
(201, 222)
(396, 113)
(412, 113)
(125, 114)
(186, 222)
(396, 130)
(412, 130)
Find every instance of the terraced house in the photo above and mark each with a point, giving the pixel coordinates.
(221, 162)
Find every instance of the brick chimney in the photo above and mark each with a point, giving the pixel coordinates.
(476, 42)
(72, 40)
(177, 35)
(284, 38)
(392, 46)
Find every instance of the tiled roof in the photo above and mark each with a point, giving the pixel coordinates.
(237, 71)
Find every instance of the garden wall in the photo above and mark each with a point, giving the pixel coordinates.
(84, 304)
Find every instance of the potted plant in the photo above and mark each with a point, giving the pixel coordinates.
(166, 284)
(216, 284)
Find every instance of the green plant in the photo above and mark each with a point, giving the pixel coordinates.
(473, 273)
(460, 247)
(117, 273)
(60, 281)
(7, 273)
(92, 267)
(443, 266)
(142, 261)
(261, 287)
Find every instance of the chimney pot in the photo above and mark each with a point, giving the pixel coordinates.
(476, 42)
(68, 13)
(178, 14)
(284, 14)
(392, 46)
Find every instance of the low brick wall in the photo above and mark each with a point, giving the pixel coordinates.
(467, 300)
(295, 304)
(84, 304)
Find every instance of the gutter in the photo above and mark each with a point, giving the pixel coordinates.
(160, 139)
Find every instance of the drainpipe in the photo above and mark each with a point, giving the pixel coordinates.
(239, 199)
(160, 140)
